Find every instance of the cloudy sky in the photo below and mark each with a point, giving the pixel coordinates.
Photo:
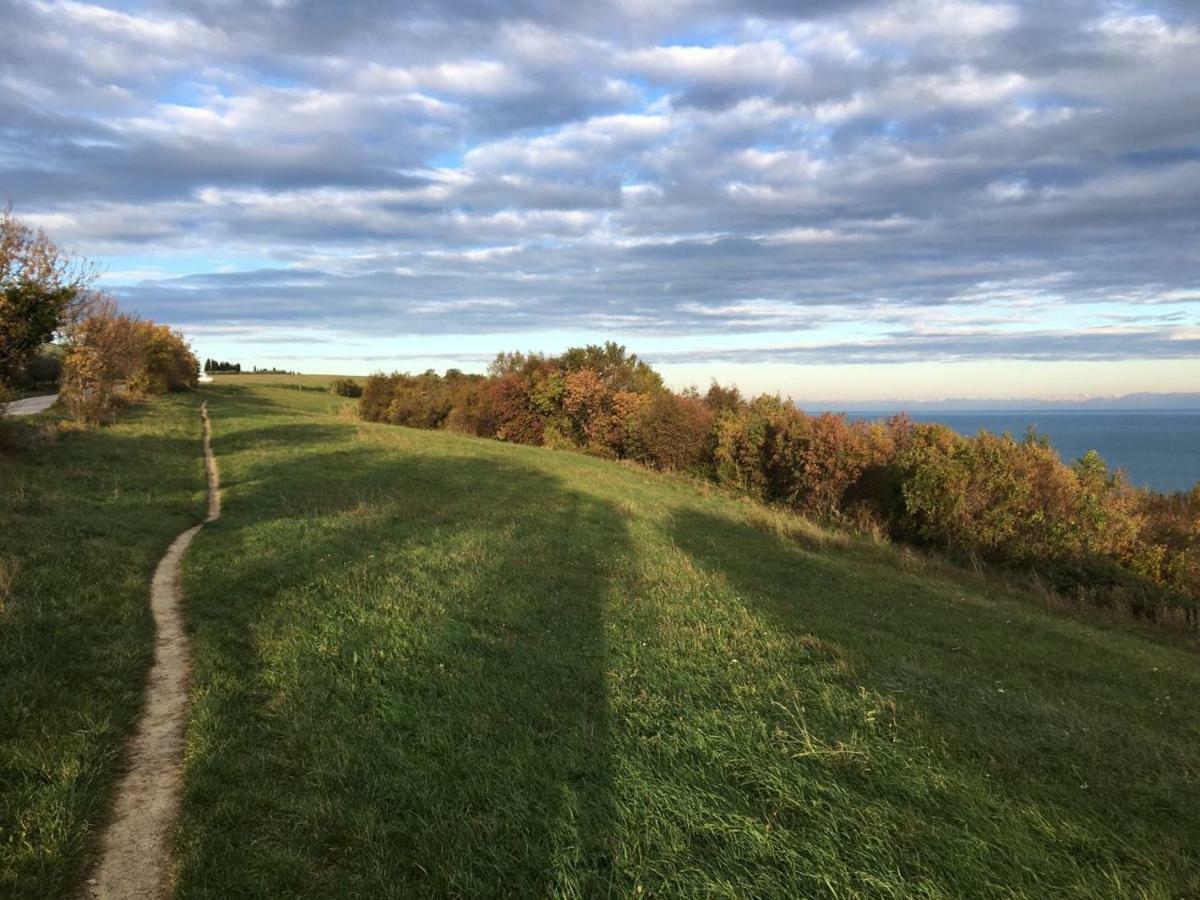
(911, 198)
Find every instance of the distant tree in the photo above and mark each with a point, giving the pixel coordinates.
(723, 399)
(516, 363)
(616, 367)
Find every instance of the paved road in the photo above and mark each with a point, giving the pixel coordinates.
(28, 406)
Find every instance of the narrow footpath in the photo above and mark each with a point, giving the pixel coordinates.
(29, 406)
(135, 854)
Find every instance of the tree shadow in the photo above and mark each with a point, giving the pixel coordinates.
(953, 658)
(400, 676)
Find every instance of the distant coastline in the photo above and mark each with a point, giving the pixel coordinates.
(1127, 403)
(1157, 448)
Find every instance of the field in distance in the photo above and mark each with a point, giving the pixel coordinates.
(426, 664)
(269, 379)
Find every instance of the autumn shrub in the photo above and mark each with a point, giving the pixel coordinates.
(723, 399)
(618, 369)
(628, 409)
(346, 387)
(87, 385)
(740, 447)
(672, 432)
(588, 406)
(377, 396)
(812, 460)
(473, 409)
(1014, 501)
(875, 498)
(164, 363)
(1172, 523)
(419, 401)
(108, 347)
(516, 419)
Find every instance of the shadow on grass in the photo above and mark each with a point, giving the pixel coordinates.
(399, 677)
(1030, 717)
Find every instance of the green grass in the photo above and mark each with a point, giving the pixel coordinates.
(82, 524)
(264, 380)
(429, 665)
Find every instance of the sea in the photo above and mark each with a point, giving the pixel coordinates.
(1157, 449)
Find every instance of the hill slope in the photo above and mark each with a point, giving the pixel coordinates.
(434, 664)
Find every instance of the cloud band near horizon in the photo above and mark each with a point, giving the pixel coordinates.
(736, 183)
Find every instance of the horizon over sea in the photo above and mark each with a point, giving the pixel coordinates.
(1158, 449)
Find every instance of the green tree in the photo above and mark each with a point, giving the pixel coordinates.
(42, 289)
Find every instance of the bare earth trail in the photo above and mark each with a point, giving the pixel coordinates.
(28, 406)
(135, 854)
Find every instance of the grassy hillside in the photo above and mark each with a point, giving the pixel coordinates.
(83, 522)
(435, 665)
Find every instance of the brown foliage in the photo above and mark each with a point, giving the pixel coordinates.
(672, 432)
(516, 419)
(108, 347)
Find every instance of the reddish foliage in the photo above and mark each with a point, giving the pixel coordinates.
(516, 421)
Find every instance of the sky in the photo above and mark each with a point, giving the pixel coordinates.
(832, 200)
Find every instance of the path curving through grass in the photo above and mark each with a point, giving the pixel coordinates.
(135, 856)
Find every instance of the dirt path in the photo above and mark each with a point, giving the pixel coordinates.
(135, 855)
(28, 406)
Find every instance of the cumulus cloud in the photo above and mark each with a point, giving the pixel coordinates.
(888, 179)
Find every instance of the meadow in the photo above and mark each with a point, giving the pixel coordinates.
(427, 664)
(84, 519)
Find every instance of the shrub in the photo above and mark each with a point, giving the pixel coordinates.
(87, 386)
(473, 410)
(419, 401)
(377, 396)
(618, 369)
(672, 432)
(588, 404)
(516, 420)
(723, 399)
(1014, 500)
(812, 461)
(346, 387)
(165, 363)
(107, 347)
(740, 440)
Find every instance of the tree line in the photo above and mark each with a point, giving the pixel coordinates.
(1079, 526)
(48, 294)
(221, 367)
